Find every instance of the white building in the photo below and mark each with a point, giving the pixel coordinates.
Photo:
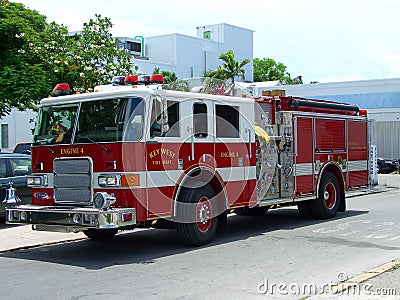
(16, 128)
(188, 56)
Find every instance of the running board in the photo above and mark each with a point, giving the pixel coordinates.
(268, 202)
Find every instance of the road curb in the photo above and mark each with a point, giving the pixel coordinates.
(343, 286)
(371, 190)
(42, 244)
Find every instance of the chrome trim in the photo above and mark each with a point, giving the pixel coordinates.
(64, 216)
(303, 169)
(357, 165)
(330, 116)
(276, 201)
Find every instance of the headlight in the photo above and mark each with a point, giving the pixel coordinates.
(37, 181)
(109, 180)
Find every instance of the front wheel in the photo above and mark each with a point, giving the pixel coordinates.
(328, 202)
(99, 234)
(196, 212)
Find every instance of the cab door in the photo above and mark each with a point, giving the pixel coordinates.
(200, 137)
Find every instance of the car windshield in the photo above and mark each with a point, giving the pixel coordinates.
(108, 120)
(20, 166)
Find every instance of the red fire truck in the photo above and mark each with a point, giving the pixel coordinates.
(138, 155)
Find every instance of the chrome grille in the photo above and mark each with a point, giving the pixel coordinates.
(73, 180)
(75, 165)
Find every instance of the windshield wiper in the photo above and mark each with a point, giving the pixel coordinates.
(96, 143)
(48, 148)
(44, 146)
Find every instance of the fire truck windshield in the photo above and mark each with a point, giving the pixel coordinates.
(109, 120)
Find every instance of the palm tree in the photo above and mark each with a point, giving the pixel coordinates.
(230, 67)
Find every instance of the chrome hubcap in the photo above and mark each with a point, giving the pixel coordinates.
(203, 214)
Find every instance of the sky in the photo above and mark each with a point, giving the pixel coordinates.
(321, 40)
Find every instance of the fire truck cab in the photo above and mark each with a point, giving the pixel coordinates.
(132, 156)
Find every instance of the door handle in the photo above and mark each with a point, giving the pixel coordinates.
(190, 129)
(248, 130)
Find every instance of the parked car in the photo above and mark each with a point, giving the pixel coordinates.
(15, 168)
(24, 148)
(386, 166)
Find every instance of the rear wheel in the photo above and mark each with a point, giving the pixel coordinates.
(328, 202)
(197, 222)
(98, 234)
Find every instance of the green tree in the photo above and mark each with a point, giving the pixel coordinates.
(22, 78)
(35, 55)
(230, 67)
(267, 69)
(169, 76)
(289, 80)
(83, 60)
(215, 74)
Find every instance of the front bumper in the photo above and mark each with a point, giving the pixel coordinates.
(70, 219)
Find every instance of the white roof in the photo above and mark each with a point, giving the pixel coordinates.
(261, 84)
(110, 91)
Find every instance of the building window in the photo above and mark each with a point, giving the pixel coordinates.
(227, 121)
(200, 120)
(207, 35)
(4, 136)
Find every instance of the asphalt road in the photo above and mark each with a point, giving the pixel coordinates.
(256, 253)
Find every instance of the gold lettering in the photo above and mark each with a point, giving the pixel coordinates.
(162, 151)
(154, 153)
(69, 151)
(167, 152)
(229, 154)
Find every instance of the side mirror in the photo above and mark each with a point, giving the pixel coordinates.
(162, 113)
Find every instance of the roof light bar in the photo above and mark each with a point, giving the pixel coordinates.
(61, 89)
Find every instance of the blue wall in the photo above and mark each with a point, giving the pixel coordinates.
(370, 100)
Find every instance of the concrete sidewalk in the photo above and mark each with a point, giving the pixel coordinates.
(392, 180)
(14, 237)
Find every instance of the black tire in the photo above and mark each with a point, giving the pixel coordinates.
(100, 234)
(197, 223)
(305, 210)
(252, 211)
(328, 203)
